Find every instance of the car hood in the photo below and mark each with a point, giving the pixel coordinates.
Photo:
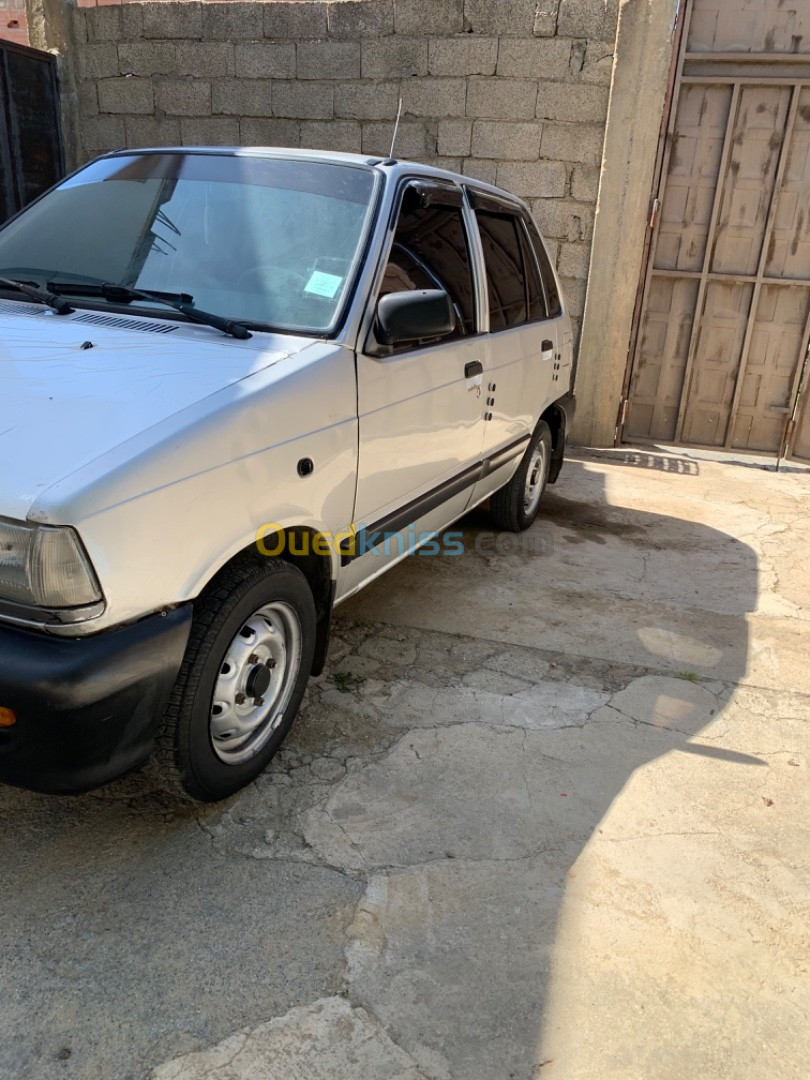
(74, 387)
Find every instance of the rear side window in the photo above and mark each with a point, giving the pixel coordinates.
(430, 252)
(534, 290)
(500, 240)
(549, 281)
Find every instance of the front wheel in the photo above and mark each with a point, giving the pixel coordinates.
(242, 679)
(515, 506)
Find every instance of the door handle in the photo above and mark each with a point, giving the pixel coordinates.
(475, 367)
(547, 346)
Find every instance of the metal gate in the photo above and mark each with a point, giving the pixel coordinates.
(31, 158)
(724, 326)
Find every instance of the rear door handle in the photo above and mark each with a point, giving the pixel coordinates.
(475, 367)
(547, 346)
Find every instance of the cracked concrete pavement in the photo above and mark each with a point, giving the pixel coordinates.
(545, 815)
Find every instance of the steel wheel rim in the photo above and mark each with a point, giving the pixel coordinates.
(535, 479)
(257, 676)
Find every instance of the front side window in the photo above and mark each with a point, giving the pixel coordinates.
(271, 242)
(430, 252)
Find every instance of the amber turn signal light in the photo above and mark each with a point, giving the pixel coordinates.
(8, 718)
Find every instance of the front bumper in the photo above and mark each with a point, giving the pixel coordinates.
(87, 708)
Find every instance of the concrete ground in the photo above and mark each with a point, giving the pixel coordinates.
(545, 816)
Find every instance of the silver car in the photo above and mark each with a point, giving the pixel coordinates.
(236, 385)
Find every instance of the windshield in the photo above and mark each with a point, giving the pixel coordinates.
(266, 241)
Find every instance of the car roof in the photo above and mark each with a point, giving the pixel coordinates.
(393, 167)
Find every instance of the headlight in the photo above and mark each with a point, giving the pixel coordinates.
(45, 566)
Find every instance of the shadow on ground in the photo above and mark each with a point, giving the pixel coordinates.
(414, 844)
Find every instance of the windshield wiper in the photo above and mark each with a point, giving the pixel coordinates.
(51, 300)
(182, 302)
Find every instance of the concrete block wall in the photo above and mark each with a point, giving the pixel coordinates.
(512, 91)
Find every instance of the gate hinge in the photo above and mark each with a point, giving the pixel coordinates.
(656, 206)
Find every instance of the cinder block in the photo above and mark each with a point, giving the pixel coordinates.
(455, 137)
(562, 101)
(594, 19)
(499, 16)
(151, 131)
(394, 56)
(98, 61)
(125, 95)
(131, 22)
(429, 16)
(434, 97)
(534, 59)
(596, 65)
(573, 142)
(210, 131)
(367, 100)
(463, 55)
(501, 99)
(414, 140)
(486, 171)
(545, 19)
(304, 100)
(184, 97)
(103, 133)
(266, 60)
(585, 182)
(205, 59)
(101, 23)
(294, 20)
(148, 58)
(564, 219)
(233, 22)
(342, 135)
(241, 97)
(181, 19)
(328, 60)
(505, 141)
(574, 292)
(268, 132)
(360, 18)
(573, 260)
(531, 179)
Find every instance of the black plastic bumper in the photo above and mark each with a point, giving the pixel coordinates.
(87, 708)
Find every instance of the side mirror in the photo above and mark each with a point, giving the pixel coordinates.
(411, 316)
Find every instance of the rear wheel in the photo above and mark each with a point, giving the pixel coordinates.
(515, 506)
(242, 679)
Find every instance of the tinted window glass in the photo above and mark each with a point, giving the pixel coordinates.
(430, 252)
(504, 263)
(534, 289)
(265, 240)
(552, 294)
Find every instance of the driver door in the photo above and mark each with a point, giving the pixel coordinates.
(420, 404)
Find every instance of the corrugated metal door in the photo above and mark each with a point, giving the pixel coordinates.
(724, 320)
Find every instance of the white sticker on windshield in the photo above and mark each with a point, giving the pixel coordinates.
(323, 284)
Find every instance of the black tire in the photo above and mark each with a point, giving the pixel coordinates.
(508, 506)
(222, 615)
